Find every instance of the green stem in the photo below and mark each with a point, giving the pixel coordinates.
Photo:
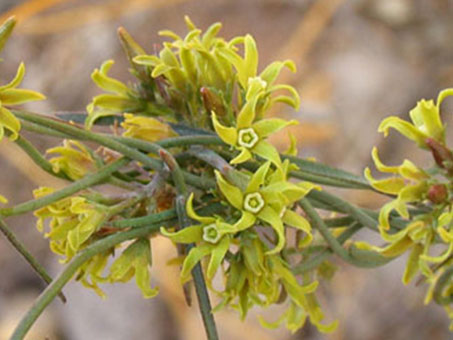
(22, 249)
(197, 273)
(71, 189)
(342, 177)
(46, 297)
(319, 258)
(43, 130)
(344, 207)
(113, 144)
(364, 261)
(37, 157)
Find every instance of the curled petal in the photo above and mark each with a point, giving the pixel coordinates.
(243, 156)
(10, 122)
(187, 235)
(107, 83)
(266, 127)
(227, 134)
(268, 215)
(231, 193)
(293, 219)
(246, 221)
(391, 185)
(267, 151)
(258, 178)
(271, 72)
(193, 215)
(412, 266)
(405, 128)
(217, 255)
(191, 260)
(17, 79)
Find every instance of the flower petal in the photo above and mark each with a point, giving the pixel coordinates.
(193, 215)
(243, 156)
(403, 127)
(266, 127)
(217, 255)
(258, 178)
(297, 221)
(268, 215)
(187, 235)
(191, 260)
(267, 151)
(227, 134)
(231, 193)
(246, 221)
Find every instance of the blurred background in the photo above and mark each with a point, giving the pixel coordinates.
(358, 61)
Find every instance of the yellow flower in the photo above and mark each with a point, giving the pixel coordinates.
(134, 262)
(410, 183)
(146, 128)
(75, 160)
(10, 95)
(426, 122)
(73, 220)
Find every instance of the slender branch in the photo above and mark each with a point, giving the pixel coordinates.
(22, 249)
(344, 207)
(46, 297)
(336, 247)
(315, 261)
(113, 144)
(197, 272)
(71, 189)
(37, 157)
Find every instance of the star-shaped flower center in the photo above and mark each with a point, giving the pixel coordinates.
(253, 202)
(247, 138)
(211, 234)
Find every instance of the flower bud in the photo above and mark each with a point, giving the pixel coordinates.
(212, 102)
(442, 155)
(437, 193)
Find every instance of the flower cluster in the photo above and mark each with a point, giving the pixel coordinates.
(422, 195)
(73, 221)
(10, 95)
(75, 160)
